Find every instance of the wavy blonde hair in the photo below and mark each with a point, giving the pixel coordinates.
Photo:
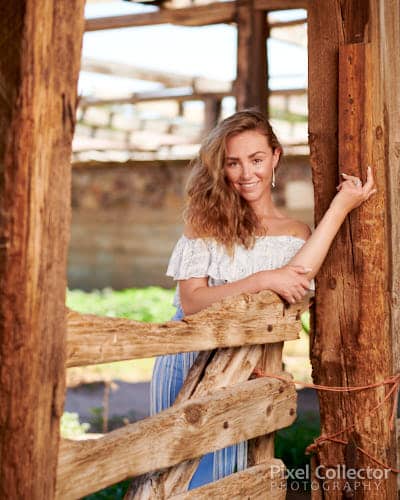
(212, 208)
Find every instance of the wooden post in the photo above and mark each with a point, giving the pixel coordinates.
(212, 112)
(251, 81)
(355, 333)
(39, 64)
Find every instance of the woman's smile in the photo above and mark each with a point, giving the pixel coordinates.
(249, 163)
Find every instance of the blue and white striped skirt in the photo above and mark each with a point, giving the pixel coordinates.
(169, 374)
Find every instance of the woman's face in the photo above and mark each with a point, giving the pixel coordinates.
(249, 162)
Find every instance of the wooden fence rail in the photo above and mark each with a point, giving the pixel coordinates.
(217, 406)
(243, 320)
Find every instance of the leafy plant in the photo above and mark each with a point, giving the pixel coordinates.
(71, 428)
(151, 304)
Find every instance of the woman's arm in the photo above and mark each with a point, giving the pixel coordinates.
(291, 281)
(312, 254)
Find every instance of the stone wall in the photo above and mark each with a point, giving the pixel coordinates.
(126, 218)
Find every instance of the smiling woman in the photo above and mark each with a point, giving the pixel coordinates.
(235, 241)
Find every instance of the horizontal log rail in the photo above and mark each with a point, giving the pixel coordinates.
(182, 432)
(176, 94)
(261, 481)
(196, 15)
(246, 319)
(199, 15)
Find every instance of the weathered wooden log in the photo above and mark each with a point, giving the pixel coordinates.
(227, 367)
(356, 122)
(251, 81)
(39, 65)
(181, 432)
(262, 448)
(280, 4)
(242, 320)
(198, 15)
(264, 481)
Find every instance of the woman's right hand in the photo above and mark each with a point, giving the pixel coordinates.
(288, 281)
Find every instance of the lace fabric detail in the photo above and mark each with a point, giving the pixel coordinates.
(197, 258)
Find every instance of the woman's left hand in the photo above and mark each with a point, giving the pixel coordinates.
(351, 193)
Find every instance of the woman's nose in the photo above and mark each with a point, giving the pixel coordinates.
(246, 171)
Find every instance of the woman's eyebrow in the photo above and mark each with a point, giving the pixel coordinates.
(250, 156)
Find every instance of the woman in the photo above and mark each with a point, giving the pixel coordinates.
(235, 240)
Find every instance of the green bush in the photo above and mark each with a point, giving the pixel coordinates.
(151, 304)
(71, 428)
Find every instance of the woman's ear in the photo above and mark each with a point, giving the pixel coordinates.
(276, 156)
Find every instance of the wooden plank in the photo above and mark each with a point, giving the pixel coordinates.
(353, 307)
(175, 95)
(168, 79)
(243, 320)
(181, 432)
(226, 368)
(39, 61)
(199, 15)
(251, 82)
(280, 4)
(178, 94)
(260, 482)
(262, 448)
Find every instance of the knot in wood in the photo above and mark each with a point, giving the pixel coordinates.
(193, 413)
(332, 283)
(269, 410)
(270, 328)
(226, 425)
(379, 132)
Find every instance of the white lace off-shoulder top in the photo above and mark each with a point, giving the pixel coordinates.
(198, 257)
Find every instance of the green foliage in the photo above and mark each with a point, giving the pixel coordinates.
(305, 321)
(291, 442)
(115, 492)
(151, 304)
(71, 428)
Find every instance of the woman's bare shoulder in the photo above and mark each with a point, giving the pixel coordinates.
(299, 229)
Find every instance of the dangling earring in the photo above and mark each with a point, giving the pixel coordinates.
(273, 178)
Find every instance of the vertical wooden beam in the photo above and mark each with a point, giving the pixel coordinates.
(251, 80)
(354, 332)
(212, 112)
(39, 64)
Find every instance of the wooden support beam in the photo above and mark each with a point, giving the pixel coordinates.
(179, 95)
(199, 15)
(212, 112)
(356, 339)
(266, 480)
(199, 84)
(234, 321)
(39, 65)
(174, 94)
(251, 81)
(280, 4)
(181, 432)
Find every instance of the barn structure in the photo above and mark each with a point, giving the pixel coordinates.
(354, 105)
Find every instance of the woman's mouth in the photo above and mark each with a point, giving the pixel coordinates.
(248, 185)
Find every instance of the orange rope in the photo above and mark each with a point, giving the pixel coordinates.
(393, 380)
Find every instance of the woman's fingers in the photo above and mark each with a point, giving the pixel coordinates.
(369, 184)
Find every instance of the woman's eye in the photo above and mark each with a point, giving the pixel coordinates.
(232, 164)
(257, 161)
